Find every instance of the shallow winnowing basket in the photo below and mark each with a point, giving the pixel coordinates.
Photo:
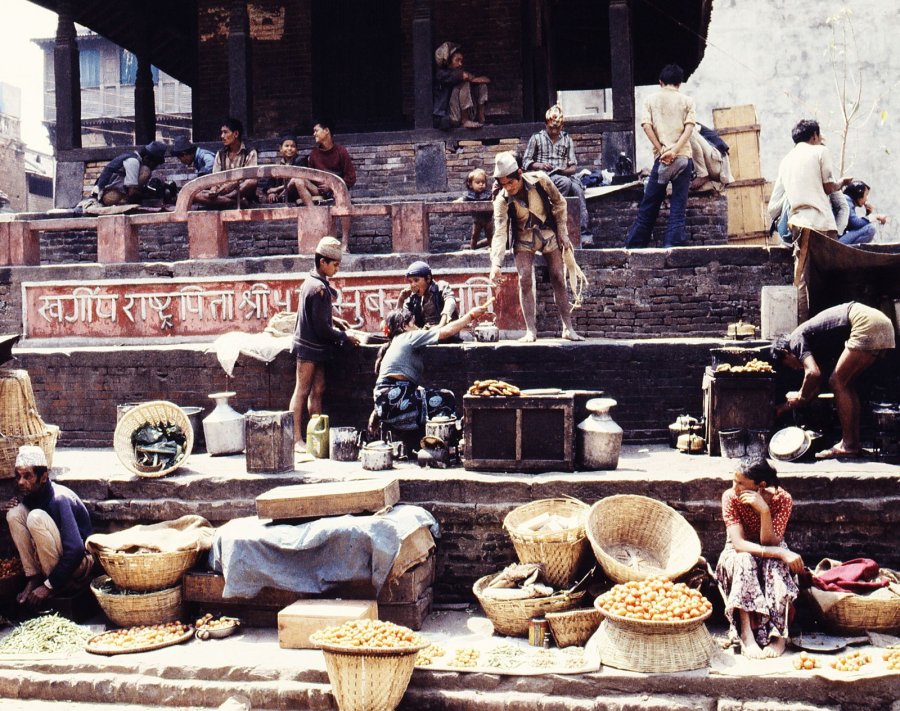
(147, 571)
(512, 617)
(574, 627)
(369, 679)
(857, 614)
(560, 552)
(635, 537)
(154, 412)
(128, 610)
(20, 423)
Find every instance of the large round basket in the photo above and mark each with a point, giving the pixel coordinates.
(560, 552)
(857, 614)
(511, 617)
(369, 679)
(155, 412)
(147, 571)
(131, 609)
(635, 537)
(653, 626)
(574, 627)
(633, 650)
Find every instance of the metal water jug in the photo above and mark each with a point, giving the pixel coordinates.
(600, 438)
(223, 428)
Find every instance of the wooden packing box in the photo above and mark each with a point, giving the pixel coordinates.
(329, 499)
(299, 620)
(526, 433)
(408, 614)
(409, 586)
(747, 201)
(738, 127)
(269, 440)
(739, 401)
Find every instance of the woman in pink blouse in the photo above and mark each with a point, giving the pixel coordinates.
(755, 569)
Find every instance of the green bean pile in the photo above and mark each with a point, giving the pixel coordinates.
(46, 634)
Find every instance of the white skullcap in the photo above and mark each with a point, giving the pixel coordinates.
(505, 164)
(31, 456)
(330, 248)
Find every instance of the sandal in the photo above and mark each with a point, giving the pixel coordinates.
(836, 453)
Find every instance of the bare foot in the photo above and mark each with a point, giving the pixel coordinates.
(570, 335)
(751, 650)
(300, 447)
(472, 124)
(775, 648)
(529, 337)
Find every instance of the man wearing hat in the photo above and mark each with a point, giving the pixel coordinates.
(316, 337)
(123, 179)
(49, 525)
(459, 95)
(432, 303)
(553, 151)
(193, 156)
(530, 207)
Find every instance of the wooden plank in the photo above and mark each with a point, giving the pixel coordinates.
(330, 499)
(743, 156)
(746, 208)
(732, 116)
(298, 621)
(738, 129)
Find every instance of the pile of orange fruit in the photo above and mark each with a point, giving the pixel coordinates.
(656, 599)
(10, 567)
(138, 637)
(805, 662)
(892, 658)
(854, 661)
(368, 633)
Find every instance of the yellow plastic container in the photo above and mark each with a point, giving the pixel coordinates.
(317, 436)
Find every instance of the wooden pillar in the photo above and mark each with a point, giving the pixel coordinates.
(621, 50)
(144, 103)
(423, 61)
(239, 86)
(537, 82)
(67, 77)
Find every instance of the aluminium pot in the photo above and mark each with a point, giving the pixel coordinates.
(377, 456)
(444, 428)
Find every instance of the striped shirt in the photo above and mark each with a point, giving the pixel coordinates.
(541, 149)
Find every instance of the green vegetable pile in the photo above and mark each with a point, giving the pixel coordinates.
(46, 634)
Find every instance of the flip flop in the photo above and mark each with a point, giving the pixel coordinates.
(835, 453)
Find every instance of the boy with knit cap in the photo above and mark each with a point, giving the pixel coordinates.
(316, 338)
(49, 525)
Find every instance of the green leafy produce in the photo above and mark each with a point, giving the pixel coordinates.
(46, 634)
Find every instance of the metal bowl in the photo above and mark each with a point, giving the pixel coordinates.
(204, 632)
(789, 444)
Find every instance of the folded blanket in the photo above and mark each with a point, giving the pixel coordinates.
(860, 575)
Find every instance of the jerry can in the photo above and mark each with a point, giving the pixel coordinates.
(317, 435)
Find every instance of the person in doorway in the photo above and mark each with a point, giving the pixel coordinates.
(292, 191)
(756, 568)
(193, 156)
(668, 120)
(553, 151)
(401, 403)
(49, 525)
(234, 154)
(333, 158)
(477, 191)
(844, 341)
(432, 303)
(459, 95)
(316, 337)
(860, 230)
(530, 206)
(124, 179)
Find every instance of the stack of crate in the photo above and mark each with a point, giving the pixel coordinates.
(748, 195)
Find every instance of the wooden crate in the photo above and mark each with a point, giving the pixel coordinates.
(409, 586)
(747, 200)
(330, 499)
(736, 402)
(738, 127)
(269, 440)
(408, 614)
(299, 620)
(527, 433)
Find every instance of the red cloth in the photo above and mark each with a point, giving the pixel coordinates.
(859, 575)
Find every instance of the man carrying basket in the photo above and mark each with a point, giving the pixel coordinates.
(49, 525)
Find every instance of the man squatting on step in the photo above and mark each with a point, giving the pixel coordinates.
(530, 206)
(49, 525)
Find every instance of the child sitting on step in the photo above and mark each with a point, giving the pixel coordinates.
(478, 191)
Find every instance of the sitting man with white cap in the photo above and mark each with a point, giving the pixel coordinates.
(316, 338)
(49, 526)
(531, 207)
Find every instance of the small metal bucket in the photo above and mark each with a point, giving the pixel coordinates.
(733, 443)
(344, 444)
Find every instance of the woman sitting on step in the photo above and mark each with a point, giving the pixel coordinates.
(755, 569)
(401, 404)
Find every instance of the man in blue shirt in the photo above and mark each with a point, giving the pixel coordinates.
(194, 156)
(49, 525)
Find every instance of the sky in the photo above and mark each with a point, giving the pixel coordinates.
(22, 63)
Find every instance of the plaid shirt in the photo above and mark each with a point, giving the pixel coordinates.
(541, 149)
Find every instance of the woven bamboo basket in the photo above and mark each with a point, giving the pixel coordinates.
(369, 679)
(20, 423)
(634, 650)
(143, 572)
(635, 537)
(560, 552)
(511, 617)
(129, 610)
(574, 627)
(154, 412)
(857, 614)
